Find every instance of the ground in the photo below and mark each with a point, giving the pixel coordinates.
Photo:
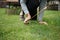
(11, 28)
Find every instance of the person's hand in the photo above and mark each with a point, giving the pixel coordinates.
(45, 7)
(43, 23)
(28, 17)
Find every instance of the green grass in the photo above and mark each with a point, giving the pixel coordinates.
(11, 28)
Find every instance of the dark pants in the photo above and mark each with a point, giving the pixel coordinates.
(32, 7)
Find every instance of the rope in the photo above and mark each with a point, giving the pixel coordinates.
(40, 11)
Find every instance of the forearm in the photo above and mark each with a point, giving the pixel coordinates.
(41, 8)
(43, 4)
(24, 7)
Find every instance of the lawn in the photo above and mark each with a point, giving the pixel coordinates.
(11, 28)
